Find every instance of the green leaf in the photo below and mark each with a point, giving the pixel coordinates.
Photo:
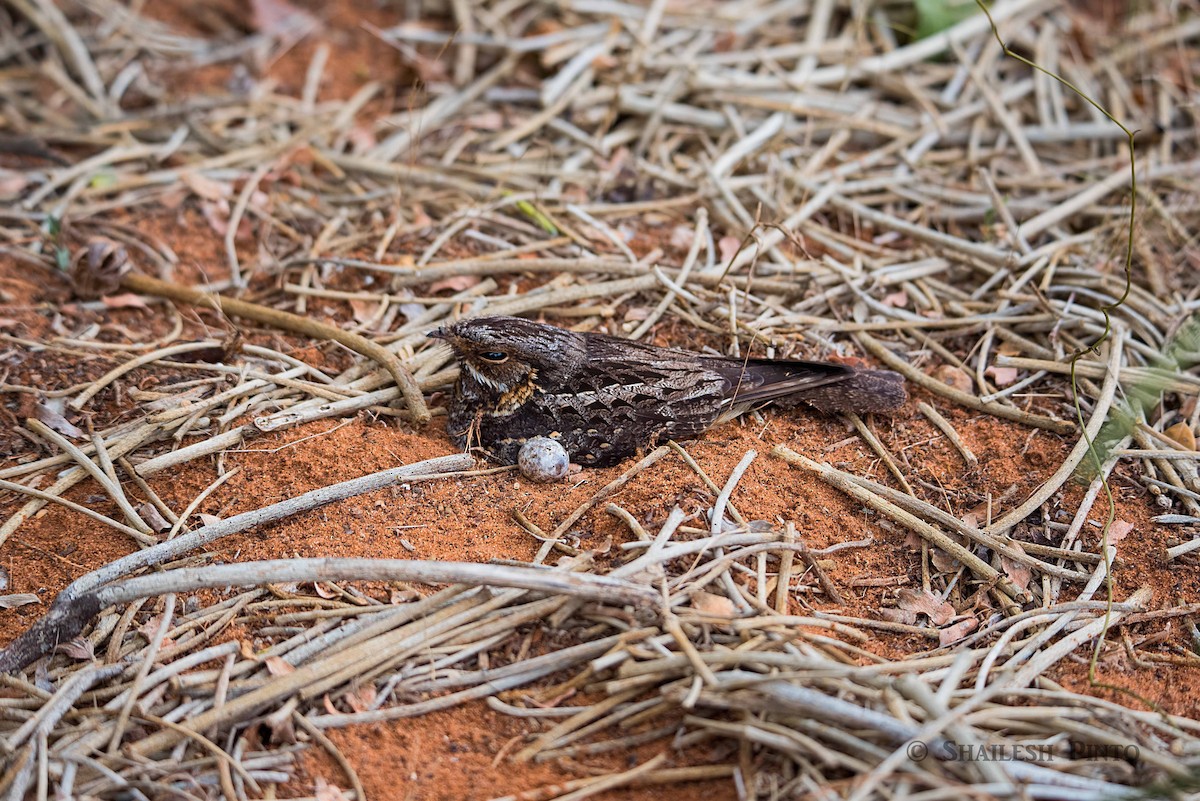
(542, 221)
(935, 16)
(102, 180)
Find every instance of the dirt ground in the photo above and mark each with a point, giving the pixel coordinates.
(453, 754)
(461, 754)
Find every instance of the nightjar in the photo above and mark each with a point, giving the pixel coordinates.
(605, 398)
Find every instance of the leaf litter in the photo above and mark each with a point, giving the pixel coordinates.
(846, 196)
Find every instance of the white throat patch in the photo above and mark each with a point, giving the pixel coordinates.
(482, 379)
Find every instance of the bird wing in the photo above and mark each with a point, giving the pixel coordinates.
(643, 388)
(760, 380)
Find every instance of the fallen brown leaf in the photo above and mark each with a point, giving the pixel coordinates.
(455, 283)
(952, 376)
(708, 603)
(1182, 433)
(18, 599)
(361, 698)
(956, 632)
(925, 603)
(1020, 573)
(126, 300)
(1119, 530)
(1002, 376)
(728, 247)
(324, 791)
(153, 518)
(77, 648)
(277, 666)
(56, 422)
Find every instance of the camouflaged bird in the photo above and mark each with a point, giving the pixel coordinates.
(605, 398)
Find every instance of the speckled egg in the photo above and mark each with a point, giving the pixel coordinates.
(543, 460)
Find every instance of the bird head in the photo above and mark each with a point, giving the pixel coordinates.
(502, 353)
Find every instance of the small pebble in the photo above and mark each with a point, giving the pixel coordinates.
(543, 460)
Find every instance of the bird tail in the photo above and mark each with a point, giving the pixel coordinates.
(825, 386)
(861, 391)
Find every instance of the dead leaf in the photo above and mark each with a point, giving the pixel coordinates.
(325, 591)
(1018, 572)
(361, 139)
(925, 603)
(1182, 433)
(56, 422)
(708, 603)
(150, 628)
(126, 300)
(1002, 376)
(282, 20)
(205, 188)
(216, 354)
(897, 300)
(403, 596)
(324, 791)
(485, 121)
(1008, 349)
(208, 520)
(171, 401)
(635, 314)
(173, 197)
(420, 218)
(682, 236)
(277, 666)
(893, 615)
(281, 724)
(18, 599)
(411, 311)
(41, 676)
(952, 376)
(1119, 530)
(456, 283)
(365, 311)
(153, 518)
(728, 247)
(956, 632)
(78, 648)
(361, 699)
(943, 561)
(430, 70)
(725, 42)
(216, 213)
(605, 61)
(976, 515)
(12, 183)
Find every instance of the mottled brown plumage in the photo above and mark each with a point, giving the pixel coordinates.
(606, 398)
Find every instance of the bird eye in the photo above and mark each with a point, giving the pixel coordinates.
(494, 356)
